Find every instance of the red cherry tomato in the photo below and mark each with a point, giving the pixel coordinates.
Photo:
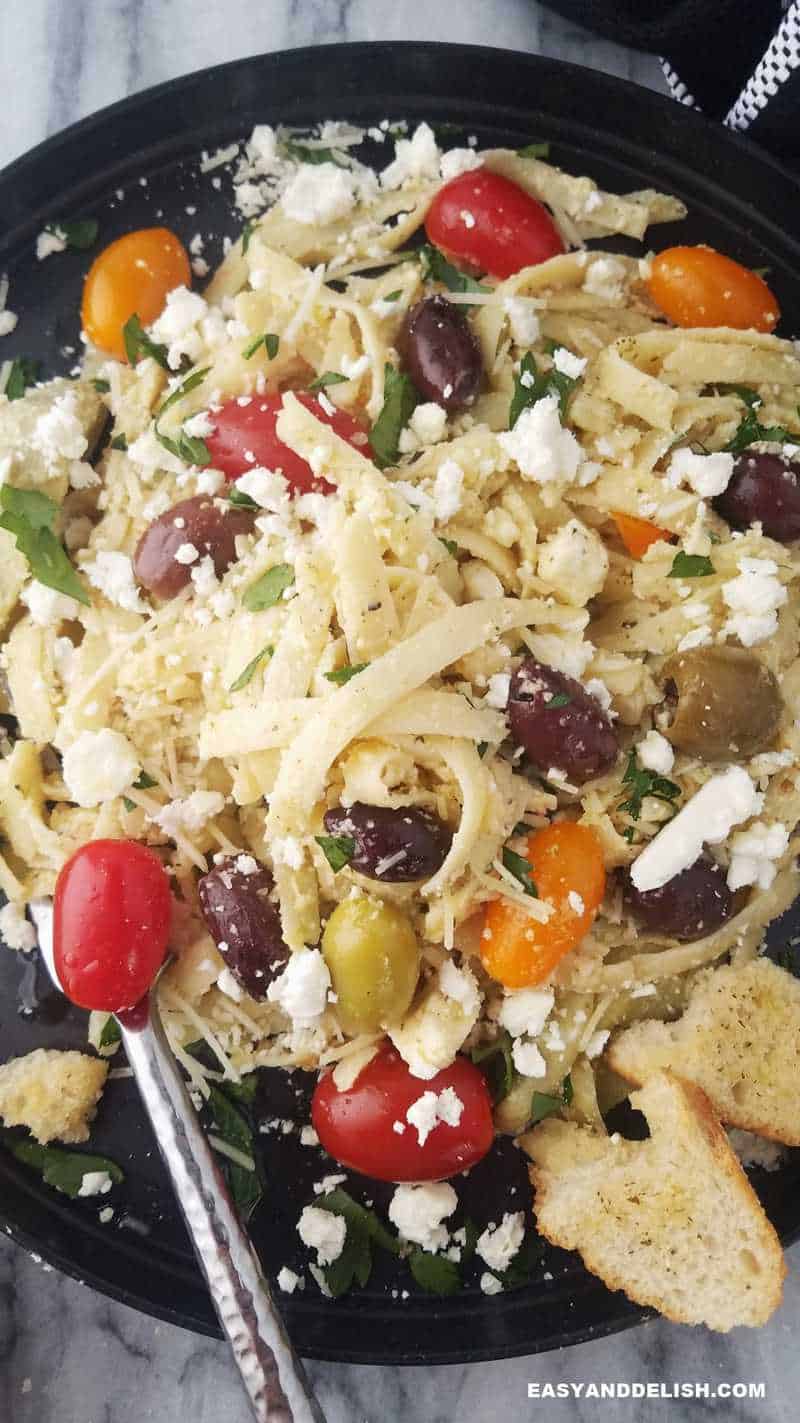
(488, 222)
(357, 1126)
(111, 923)
(244, 430)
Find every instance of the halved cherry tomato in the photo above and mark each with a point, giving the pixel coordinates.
(696, 286)
(111, 923)
(131, 275)
(638, 534)
(357, 1126)
(566, 863)
(486, 221)
(245, 436)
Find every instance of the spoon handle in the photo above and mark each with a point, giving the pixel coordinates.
(271, 1371)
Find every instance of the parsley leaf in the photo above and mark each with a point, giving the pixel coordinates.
(143, 782)
(111, 1033)
(500, 1065)
(342, 675)
(750, 430)
(247, 672)
(101, 386)
(190, 448)
(434, 1273)
(400, 399)
(364, 1230)
(534, 150)
(64, 1170)
(267, 589)
(269, 341)
(339, 1202)
(518, 866)
(24, 372)
(240, 500)
(138, 344)
(451, 546)
(247, 232)
(30, 517)
(643, 783)
(119, 442)
(561, 699)
(232, 1127)
(436, 268)
(544, 1104)
(532, 385)
(80, 234)
(303, 153)
(337, 849)
(690, 565)
(394, 296)
(327, 378)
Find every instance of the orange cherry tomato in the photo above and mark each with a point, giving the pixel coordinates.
(696, 286)
(565, 859)
(638, 534)
(131, 275)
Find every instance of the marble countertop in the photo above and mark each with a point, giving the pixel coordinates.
(68, 1355)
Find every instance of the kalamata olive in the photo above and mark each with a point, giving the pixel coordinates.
(243, 923)
(689, 906)
(395, 846)
(198, 524)
(373, 958)
(765, 489)
(559, 723)
(440, 353)
(725, 703)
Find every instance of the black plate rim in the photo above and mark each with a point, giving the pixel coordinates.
(620, 1314)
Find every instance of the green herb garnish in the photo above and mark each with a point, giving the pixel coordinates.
(561, 699)
(645, 783)
(139, 344)
(240, 500)
(246, 674)
(499, 1065)
(750, 430)
(269, 588)
(247, 232)
(518, 866)
(337, 849)
(690, 565)
(232, 1126)
(434, 1273)
(400, 399)
(328, 378)
(394, 296)
(364, 1230)
(101, 386)
(269, 341)
(30, 517)
(79, 235)
(532, 385)
(24, 372)
(342, 675)
(543, 1104)
(190, 448)
(303, 153)
(62, 1169)
(534, 150)
(436, 268)
(119, 442)
(111, 1032)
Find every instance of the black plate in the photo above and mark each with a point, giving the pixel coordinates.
(626, 138)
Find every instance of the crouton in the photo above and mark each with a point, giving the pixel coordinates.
(739, 1039)
(53, 1093)
(672, 1221)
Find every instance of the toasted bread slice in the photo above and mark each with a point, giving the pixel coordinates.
(673, 1220)
(739, 1040)
(53, 1093)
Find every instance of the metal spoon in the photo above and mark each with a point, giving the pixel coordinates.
(273, 1375)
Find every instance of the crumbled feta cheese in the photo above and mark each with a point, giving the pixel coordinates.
(707, 475)
(457, 161)
(431, 1108)
(416, 158)
(301, 991)
(246, 864)
(319, 193)
(498, 1244)
(98, 766)
(490, 1284)
(573, 561)
(540, 447)
(605, 278)
(447, 488)
(655, 753)
(187, 553)
(262, 144)
(288, 1280)
(576, 903)
(329, 1183)
(209, 481)
(82, 476)
(497, 691)
(58, 433)
(754, 854)
(527, 1058)
(568, 363)
(95, 1183)
(15, 931)
(429, 423)
(567, 654)
(460, 985)
(523, 319)
(525, 1011)
(46, 606)
(324, 1232)
(227, 984)
(596, 1043)
(200, 425)
(708, 817)
(308, 1136)
(754, 597)
(418, 1212)
(698, 637)
(190, 814)
(286, 850)
(268, 488)
(49, 242)
(176, 326)
(112, 575)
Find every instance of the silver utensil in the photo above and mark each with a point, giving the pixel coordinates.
(272, 1374)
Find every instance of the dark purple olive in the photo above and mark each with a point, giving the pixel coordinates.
(199, 522)
(243, 923)
(441, 354)
(395, 846)
(689, 906)
(765, 489)
(558, 723)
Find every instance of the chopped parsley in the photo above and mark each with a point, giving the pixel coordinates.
(436, 268)
(534, 150)
(499, 1065)
(247, 232)
(690, 565)
(451, 546)
(364, 1230)
(645, 783)
(138, 344)
(400, 399)
(304, 153)
(240, 500)
(111, 1032)
(79, 235)
(232, 1126)
(342, 675)
(119, 442)
(337, 849)
(532, 385)
(24, 372)
(246, 674)
(328, 378)
(269, 588)
(30, 517)
(750, 430)
(543, 1104)
(434, 1273)
(101, 386)
(190, 448)
(269, 341)
(560, 699)
(143, 782)
(518, 866)
(61, 1169)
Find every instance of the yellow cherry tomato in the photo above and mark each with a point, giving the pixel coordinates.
(696, 286)
(133, 274)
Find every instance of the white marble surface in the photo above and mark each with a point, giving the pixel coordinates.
(67, 1355)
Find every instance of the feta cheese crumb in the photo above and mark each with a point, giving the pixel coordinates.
(319, 193)
(95, 1183)
(497, 691)
(523, 320)
(573, 561)
(460, 985)
(655, 753)
(58, 433)
(301, 991)
(429, 423)
(754, 854)
(527, 1058)
(707, 475)
(568, 363)
(490, 1284)
(15, 931)
(597, 1042)
(227, 984)
(525, 1011)
(98, 766)
(186, 553)
(415, 159)
(112, 575)
(46, 606)
(605, 278)
(431, 1108)
(324, 1232)
(540, 447)
(754, 597)
(418, 1213)
(189, 814)
(457, 161)
(308, 1137)
(498, 1244)
(576, 903)
(447, 488)
(707, 818)
(288, 1280)
(47, 243)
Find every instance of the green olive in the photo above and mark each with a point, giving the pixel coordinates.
(727, 703)
(373, 957)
